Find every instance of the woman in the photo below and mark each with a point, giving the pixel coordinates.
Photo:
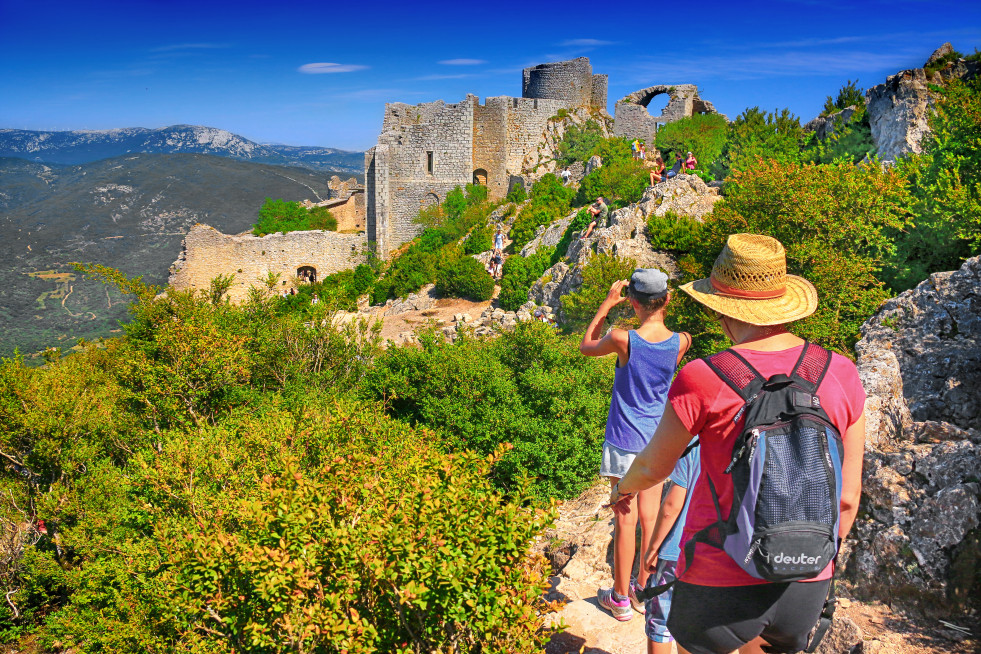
(646, 360)
(657, 174)
(691, 163)
(718, 606)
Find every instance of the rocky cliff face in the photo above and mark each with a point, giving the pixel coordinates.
(917, 538)
(626, 236)
(899, 108)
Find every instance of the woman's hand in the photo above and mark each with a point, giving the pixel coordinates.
(650, 559)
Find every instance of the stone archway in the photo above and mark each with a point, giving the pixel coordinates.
(480, 177)
(633, 120)
(307, 274)
(429, 200)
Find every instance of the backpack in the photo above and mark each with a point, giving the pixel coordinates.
(785, 469)
(786, 475)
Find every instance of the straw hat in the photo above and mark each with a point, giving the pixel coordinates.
(749, 282)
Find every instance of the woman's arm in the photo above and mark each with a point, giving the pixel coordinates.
(851, 474)
(616, 341)
(655, 462)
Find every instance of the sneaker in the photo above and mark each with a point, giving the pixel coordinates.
(619, 608)
(632, 595)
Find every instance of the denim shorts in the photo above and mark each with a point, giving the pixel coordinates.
(657, 608)
(615, 461)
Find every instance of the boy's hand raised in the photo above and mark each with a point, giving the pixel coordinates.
(616, 296)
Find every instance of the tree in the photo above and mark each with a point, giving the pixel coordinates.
(850, 95)
(756, 136)
(703, 134)
(579, 143)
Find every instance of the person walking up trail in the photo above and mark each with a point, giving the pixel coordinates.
(781, 425)
(646, 360)
(661, 559)
(600, 211)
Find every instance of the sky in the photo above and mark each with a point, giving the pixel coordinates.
(319, 73)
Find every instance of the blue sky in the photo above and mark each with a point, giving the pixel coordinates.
(319, 73)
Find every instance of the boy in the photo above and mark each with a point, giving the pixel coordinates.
(662, 555)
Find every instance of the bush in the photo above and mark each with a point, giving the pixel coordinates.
(549, 200)
(579, 143)
(465, 277)
(517, 194)
(598, 275)
(850, 95)
(621, 181)
(675, 233)
(480, 240)
(280, 216)
(529, 387)
(702, 134)
(756, 136)
(518, 275)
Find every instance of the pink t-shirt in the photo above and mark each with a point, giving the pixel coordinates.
(706, 406)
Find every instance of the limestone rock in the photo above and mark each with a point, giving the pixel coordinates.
(594, 162)
(424, 299)
(548, 235)
(842, 637)
(824, 126)
(919, 360)
(939, 53)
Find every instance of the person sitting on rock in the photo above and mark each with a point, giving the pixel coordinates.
(677, 167)
(645, 363)
(657, 173)
(691, 163)
(600, 212)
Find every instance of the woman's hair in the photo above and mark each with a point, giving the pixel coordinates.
(649, 302)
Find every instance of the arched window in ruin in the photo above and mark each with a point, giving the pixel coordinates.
(307, 274)
(430, 200)
(480, 177)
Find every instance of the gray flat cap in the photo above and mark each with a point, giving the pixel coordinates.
(649, 281)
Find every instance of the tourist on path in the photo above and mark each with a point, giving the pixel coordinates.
(600, 212)
(718, 606)
(499, 239)
(497, 260)
(661, 559)
(566, 175)
(646, 360)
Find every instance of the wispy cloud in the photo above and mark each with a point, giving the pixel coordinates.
(387, 95)
(433, 78)
(462, 62)
(179, 47)
(577, 43)
(324, 67)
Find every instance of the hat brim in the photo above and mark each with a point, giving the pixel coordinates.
(798, 302)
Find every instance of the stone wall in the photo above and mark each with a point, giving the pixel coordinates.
(208, 253)
(426, 150)
(571, 82)
(633, 120)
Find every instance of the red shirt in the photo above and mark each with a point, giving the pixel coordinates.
(706, 406)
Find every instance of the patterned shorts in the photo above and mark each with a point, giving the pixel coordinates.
(658, 608)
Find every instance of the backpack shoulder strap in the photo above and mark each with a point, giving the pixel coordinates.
(811, 367)
(736, 372)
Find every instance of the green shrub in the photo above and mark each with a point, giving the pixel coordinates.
(598, 275)
(578, 224)
(622, 181)
(549, 200)
(702, 134)
(465, 277)
(517, 194)
(476, 194)
(850, 95)
(480, 240)
(518, 275)
(674, 233)
(579, 143)
(454, 204)
(756, 136)
(529, 387)
(943, 62)
(280, 216)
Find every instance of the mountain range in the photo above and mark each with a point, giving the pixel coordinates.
(129, 212)
(84, 146)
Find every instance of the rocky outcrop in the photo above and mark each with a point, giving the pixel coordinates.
(920, 360)
(899, 108)
(824, 126)
(626, 236)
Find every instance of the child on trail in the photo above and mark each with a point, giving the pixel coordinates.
(662, 554)
(498, 239)
(566, 175)
(600, 212)
(646, 360)
(496, 262)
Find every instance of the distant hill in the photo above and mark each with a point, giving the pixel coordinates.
(127, 212)
(81, 146)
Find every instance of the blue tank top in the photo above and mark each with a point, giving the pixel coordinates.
(640, 390)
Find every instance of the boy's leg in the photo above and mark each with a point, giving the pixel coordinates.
(624, 546)
(648, 504)
(659, 639)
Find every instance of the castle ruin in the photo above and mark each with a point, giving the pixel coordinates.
(426, 150)
(632, 119)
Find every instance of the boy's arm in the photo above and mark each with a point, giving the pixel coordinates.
(593, 345)
(671, 508)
